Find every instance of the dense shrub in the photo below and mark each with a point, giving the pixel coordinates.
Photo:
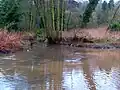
(115, 26)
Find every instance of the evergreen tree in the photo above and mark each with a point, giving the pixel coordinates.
(111, 4)
(88, 12)
(10, 14)
(104, 6)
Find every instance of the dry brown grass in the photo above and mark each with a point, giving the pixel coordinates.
(96, 34)
(10, 41)
(13, 41)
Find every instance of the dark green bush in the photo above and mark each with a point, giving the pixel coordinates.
(115, 26)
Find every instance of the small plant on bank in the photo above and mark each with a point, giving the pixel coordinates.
(40, 34)
(115, 26)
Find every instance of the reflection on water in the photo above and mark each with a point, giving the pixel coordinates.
(15, 82)
(61, 68)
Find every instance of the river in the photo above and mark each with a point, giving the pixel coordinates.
(60, 68)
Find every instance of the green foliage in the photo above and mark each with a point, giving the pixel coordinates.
(39, 34)
(10, 14)
(104, 14)
(115, 26)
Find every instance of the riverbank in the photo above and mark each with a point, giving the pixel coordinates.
(96, 38)
(93, 35)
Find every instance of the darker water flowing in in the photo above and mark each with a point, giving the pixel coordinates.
(60, 68)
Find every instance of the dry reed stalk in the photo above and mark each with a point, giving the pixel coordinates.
(10, 41)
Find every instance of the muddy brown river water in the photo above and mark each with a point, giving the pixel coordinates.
(60, 68)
